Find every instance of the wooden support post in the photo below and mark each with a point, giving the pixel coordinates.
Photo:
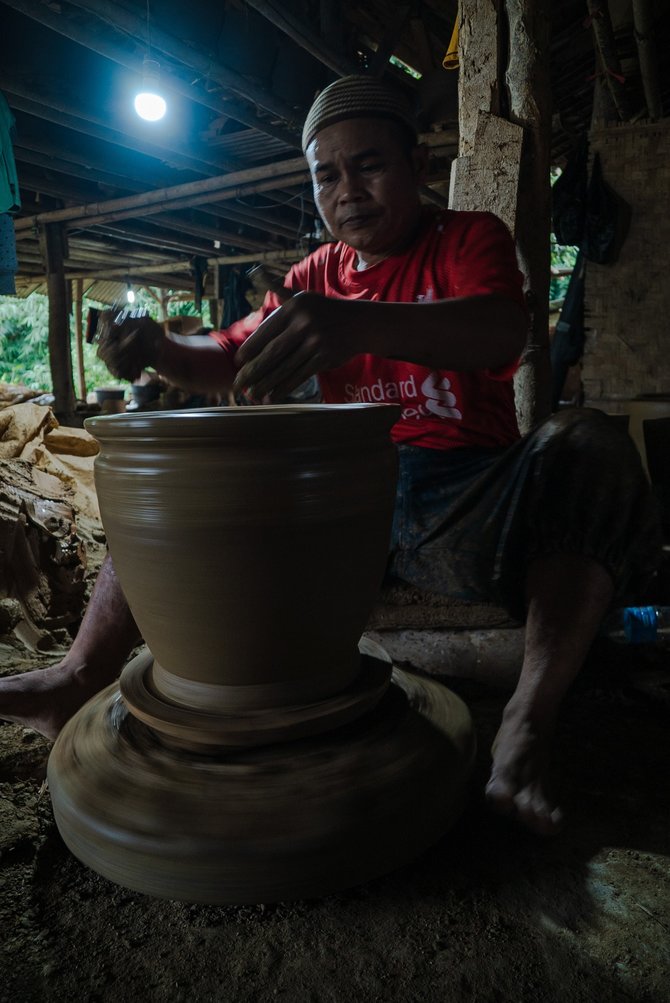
(480, 73)
(504, 85)
(77, 307)
(214, 312)
(60, 359)
(529, 91)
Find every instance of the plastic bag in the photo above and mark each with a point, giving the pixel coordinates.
(607, 219)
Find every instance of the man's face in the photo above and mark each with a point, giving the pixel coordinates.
(366, 185)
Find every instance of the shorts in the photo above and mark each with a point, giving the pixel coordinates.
(468, 521)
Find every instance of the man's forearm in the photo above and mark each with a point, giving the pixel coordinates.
(474, 332)
(195, 367)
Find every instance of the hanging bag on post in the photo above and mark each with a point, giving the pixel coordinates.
(569, 197)
(607, 219)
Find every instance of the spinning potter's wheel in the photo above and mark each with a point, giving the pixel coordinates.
(255, 751)
(298, 818)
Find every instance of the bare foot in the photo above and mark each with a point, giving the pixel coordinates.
(45, 699)
(517, 783)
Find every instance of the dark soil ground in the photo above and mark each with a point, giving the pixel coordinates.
(488, 914)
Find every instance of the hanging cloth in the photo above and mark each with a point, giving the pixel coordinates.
(8, 263)
(10, 199)
(235, 303)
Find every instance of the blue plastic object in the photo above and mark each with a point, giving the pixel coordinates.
(640, 624)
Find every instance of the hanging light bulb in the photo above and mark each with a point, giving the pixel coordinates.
(149, 104)
(130, 293)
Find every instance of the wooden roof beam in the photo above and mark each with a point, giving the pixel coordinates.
(160, 239)
(123, 20)
(293, 254)
(308, 40)
(41, 153)
(283, 173)
(49, 108)
(104, 46)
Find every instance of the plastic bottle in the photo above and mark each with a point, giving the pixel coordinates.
(639, 624)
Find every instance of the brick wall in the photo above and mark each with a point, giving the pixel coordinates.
(628, 303)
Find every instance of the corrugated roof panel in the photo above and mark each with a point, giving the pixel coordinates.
(107, 292)
(248, 144)
(25, 287)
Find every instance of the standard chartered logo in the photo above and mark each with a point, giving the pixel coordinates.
(439, 398)
(433, 397)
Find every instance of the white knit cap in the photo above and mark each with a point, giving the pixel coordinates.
(357, 97)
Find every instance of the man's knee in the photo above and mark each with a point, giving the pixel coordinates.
(581, 434)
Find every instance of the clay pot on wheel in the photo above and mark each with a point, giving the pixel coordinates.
(250, 543)
(259, 749)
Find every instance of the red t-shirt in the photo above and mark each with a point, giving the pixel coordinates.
(454, 254)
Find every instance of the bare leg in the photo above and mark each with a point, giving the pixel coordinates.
(46, 698)
(568, 597)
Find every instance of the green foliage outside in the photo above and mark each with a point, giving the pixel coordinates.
(24, 341)
(561, 257)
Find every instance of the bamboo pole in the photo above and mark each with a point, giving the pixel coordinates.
(605, 43)
(308, 40)
(52, 158)
(77, 306)
(648, 56)
(234, 185)
(176, 266)
(285, 172)
(241, 191)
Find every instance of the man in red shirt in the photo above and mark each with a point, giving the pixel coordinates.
(424, 308)
(453, 256)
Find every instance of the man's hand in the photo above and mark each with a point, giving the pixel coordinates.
(130, 346)
(308, 334)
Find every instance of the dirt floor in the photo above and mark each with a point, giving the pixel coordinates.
(488, 914)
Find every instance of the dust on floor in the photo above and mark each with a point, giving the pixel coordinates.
(488, 914)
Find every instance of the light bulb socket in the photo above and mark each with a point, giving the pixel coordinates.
(151, 71)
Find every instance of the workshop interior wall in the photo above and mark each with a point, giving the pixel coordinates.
(628, 303)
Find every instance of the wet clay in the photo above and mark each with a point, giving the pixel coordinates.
(181, 724)
(292, 820)
(259, 749)
(248, 539)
